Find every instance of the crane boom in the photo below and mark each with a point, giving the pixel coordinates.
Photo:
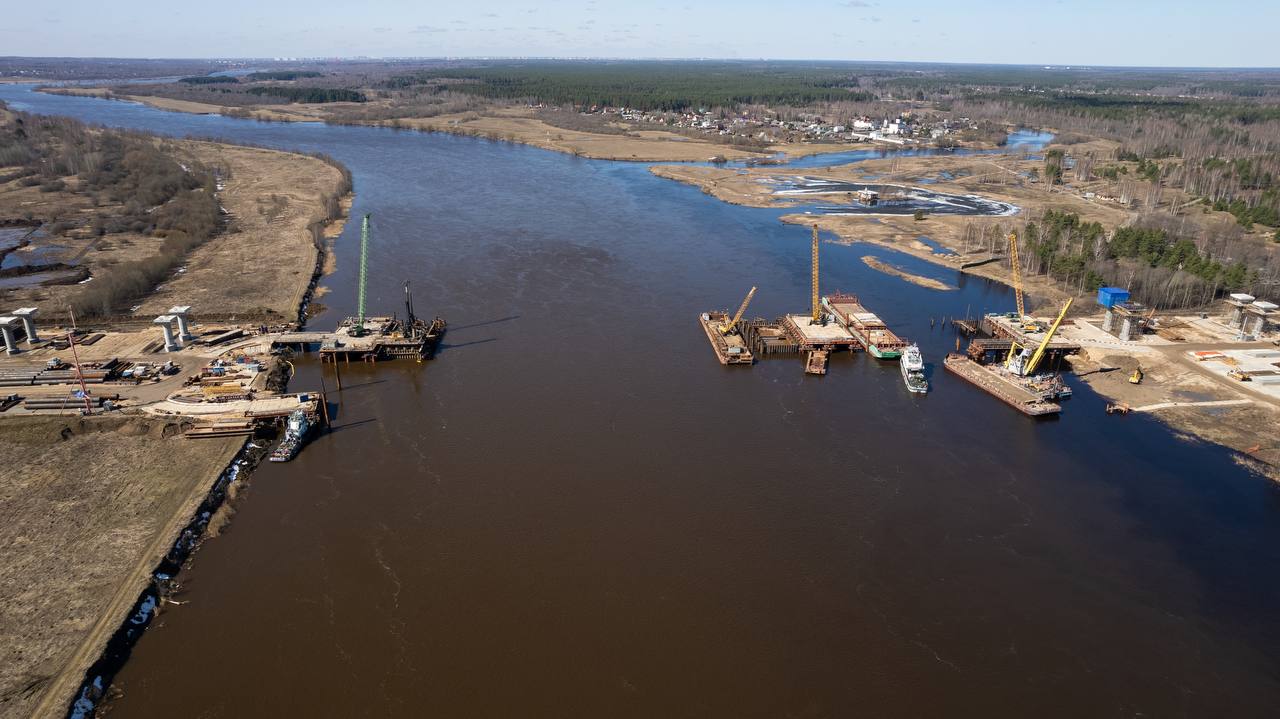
(364, 271)
(727, 328)
(817, 308)
(1017, 273)
(1022, 360)
(1039, 355)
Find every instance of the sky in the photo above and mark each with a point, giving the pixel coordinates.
(1223, 33)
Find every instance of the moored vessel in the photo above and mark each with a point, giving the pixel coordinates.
(295, 434)
(1001, 385)
(871, 332)
(913, 370)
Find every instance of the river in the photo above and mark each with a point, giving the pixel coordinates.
(575, 511)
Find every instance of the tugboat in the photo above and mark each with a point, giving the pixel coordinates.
(295, 433)
(913, 370)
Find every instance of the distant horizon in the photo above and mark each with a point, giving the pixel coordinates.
(1227, 34)
(620, 58)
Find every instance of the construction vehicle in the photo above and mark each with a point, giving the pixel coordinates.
(732, 324)
(1239, 375)
(1136, 377)
(1028, 325)
(1022, 360)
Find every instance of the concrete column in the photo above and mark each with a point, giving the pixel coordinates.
(1126, 329)
(6, 329)
(184, 332)
(1237, 316)
(166, 326)
(180, 313)
(1109, 320)
(28, 314)
(1259, 326)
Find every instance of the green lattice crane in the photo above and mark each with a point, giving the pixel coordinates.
(364, 273)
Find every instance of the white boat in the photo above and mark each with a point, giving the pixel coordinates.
(913, 370)
(295, 433)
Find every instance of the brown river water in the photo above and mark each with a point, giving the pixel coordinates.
(574, 511)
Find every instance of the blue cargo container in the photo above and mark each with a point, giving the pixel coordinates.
(1111, 296)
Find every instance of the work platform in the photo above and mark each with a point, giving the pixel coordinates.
(808, 336)
(378, 338)
(1002, 331)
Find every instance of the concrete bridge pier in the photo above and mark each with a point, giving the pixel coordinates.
(6, 329)
(28, 317)
(166, 326)
(180, 313)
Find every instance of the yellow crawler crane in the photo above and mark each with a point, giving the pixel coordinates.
(817, 308)
(1016, 269)
(729, 326)
(1021, 360)
(1015, 266)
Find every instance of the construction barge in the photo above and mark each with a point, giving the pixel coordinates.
(866, 327)
(730, 348)
(993, 380)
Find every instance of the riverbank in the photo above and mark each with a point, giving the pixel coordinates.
(1189, 400)
(507, 124)
(919, 280)
(275, 214)
(285, 209)
(92, 508)
(98, 502)
(956, 241)
(962, 243)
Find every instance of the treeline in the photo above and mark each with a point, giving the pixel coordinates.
(309, 94)
(653, 85)
(138, 187)
(283, 75)
(209, 80)
(1224, 153)
(1160, 266)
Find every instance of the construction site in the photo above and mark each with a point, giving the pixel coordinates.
(1013, 356)
(834, 323)
(124, 400)
(221, 379)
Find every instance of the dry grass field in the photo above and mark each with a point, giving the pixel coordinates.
(90, 506)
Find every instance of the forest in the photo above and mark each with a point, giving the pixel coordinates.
(209, 80)
(282, 75)
(308, 94)
(1162, 266)
(136, 185)
(668, 86)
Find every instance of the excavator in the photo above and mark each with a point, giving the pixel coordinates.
(1023, 361)
(1136, 377)
(728, 327)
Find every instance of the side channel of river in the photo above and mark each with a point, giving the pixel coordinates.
(574, 511)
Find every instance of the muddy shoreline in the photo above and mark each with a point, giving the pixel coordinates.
(163, 583)
(94, 688)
